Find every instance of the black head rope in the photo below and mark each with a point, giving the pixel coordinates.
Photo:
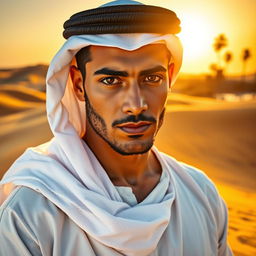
(123, 19)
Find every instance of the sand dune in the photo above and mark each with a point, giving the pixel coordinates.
(213, 135)
(22, 109)
(30, 76)
(20, 131)
(15, 99)
(242, 218)
(216, 136)
(23, 93)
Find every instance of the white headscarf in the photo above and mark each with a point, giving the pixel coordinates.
(66, 172)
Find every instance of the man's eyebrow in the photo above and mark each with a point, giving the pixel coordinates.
(111, 72)
(107, 71)
(153, 70)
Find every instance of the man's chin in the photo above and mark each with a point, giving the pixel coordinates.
(132, 149)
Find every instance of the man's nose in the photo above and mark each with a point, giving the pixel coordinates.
(134, 102)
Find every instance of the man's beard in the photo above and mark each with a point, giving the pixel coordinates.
(99, 126)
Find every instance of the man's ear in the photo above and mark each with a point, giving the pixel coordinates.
(170, 73)
(77, 80)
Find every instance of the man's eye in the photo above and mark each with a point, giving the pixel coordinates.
(110, 81)
(153, 79)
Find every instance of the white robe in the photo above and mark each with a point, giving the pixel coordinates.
(31, 224)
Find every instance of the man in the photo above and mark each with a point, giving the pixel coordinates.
(100, 187)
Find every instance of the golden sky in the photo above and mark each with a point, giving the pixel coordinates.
(31, 31)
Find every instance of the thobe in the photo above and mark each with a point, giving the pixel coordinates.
(32, 225)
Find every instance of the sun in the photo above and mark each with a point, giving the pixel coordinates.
(196, 36)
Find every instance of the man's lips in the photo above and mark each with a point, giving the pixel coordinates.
(134, 128)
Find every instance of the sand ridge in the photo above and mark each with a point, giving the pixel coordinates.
(15, 99)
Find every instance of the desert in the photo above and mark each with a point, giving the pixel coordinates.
(215, 135)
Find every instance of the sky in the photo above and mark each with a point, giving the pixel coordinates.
(31, 31)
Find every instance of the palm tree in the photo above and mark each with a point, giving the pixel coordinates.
(213, 67)
(245, 56)
(219, 43)
(228, 57)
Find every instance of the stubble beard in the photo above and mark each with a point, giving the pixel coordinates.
(99, 126)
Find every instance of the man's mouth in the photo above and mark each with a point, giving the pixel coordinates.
(134, 128)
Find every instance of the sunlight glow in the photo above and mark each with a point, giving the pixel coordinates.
(196, 36)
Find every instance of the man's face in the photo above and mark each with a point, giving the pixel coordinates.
(126, 93)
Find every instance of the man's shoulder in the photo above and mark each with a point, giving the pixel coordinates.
(194, 180)
(27, 203)
(188, 173)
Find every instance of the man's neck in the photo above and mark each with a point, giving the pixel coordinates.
(141, 171)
